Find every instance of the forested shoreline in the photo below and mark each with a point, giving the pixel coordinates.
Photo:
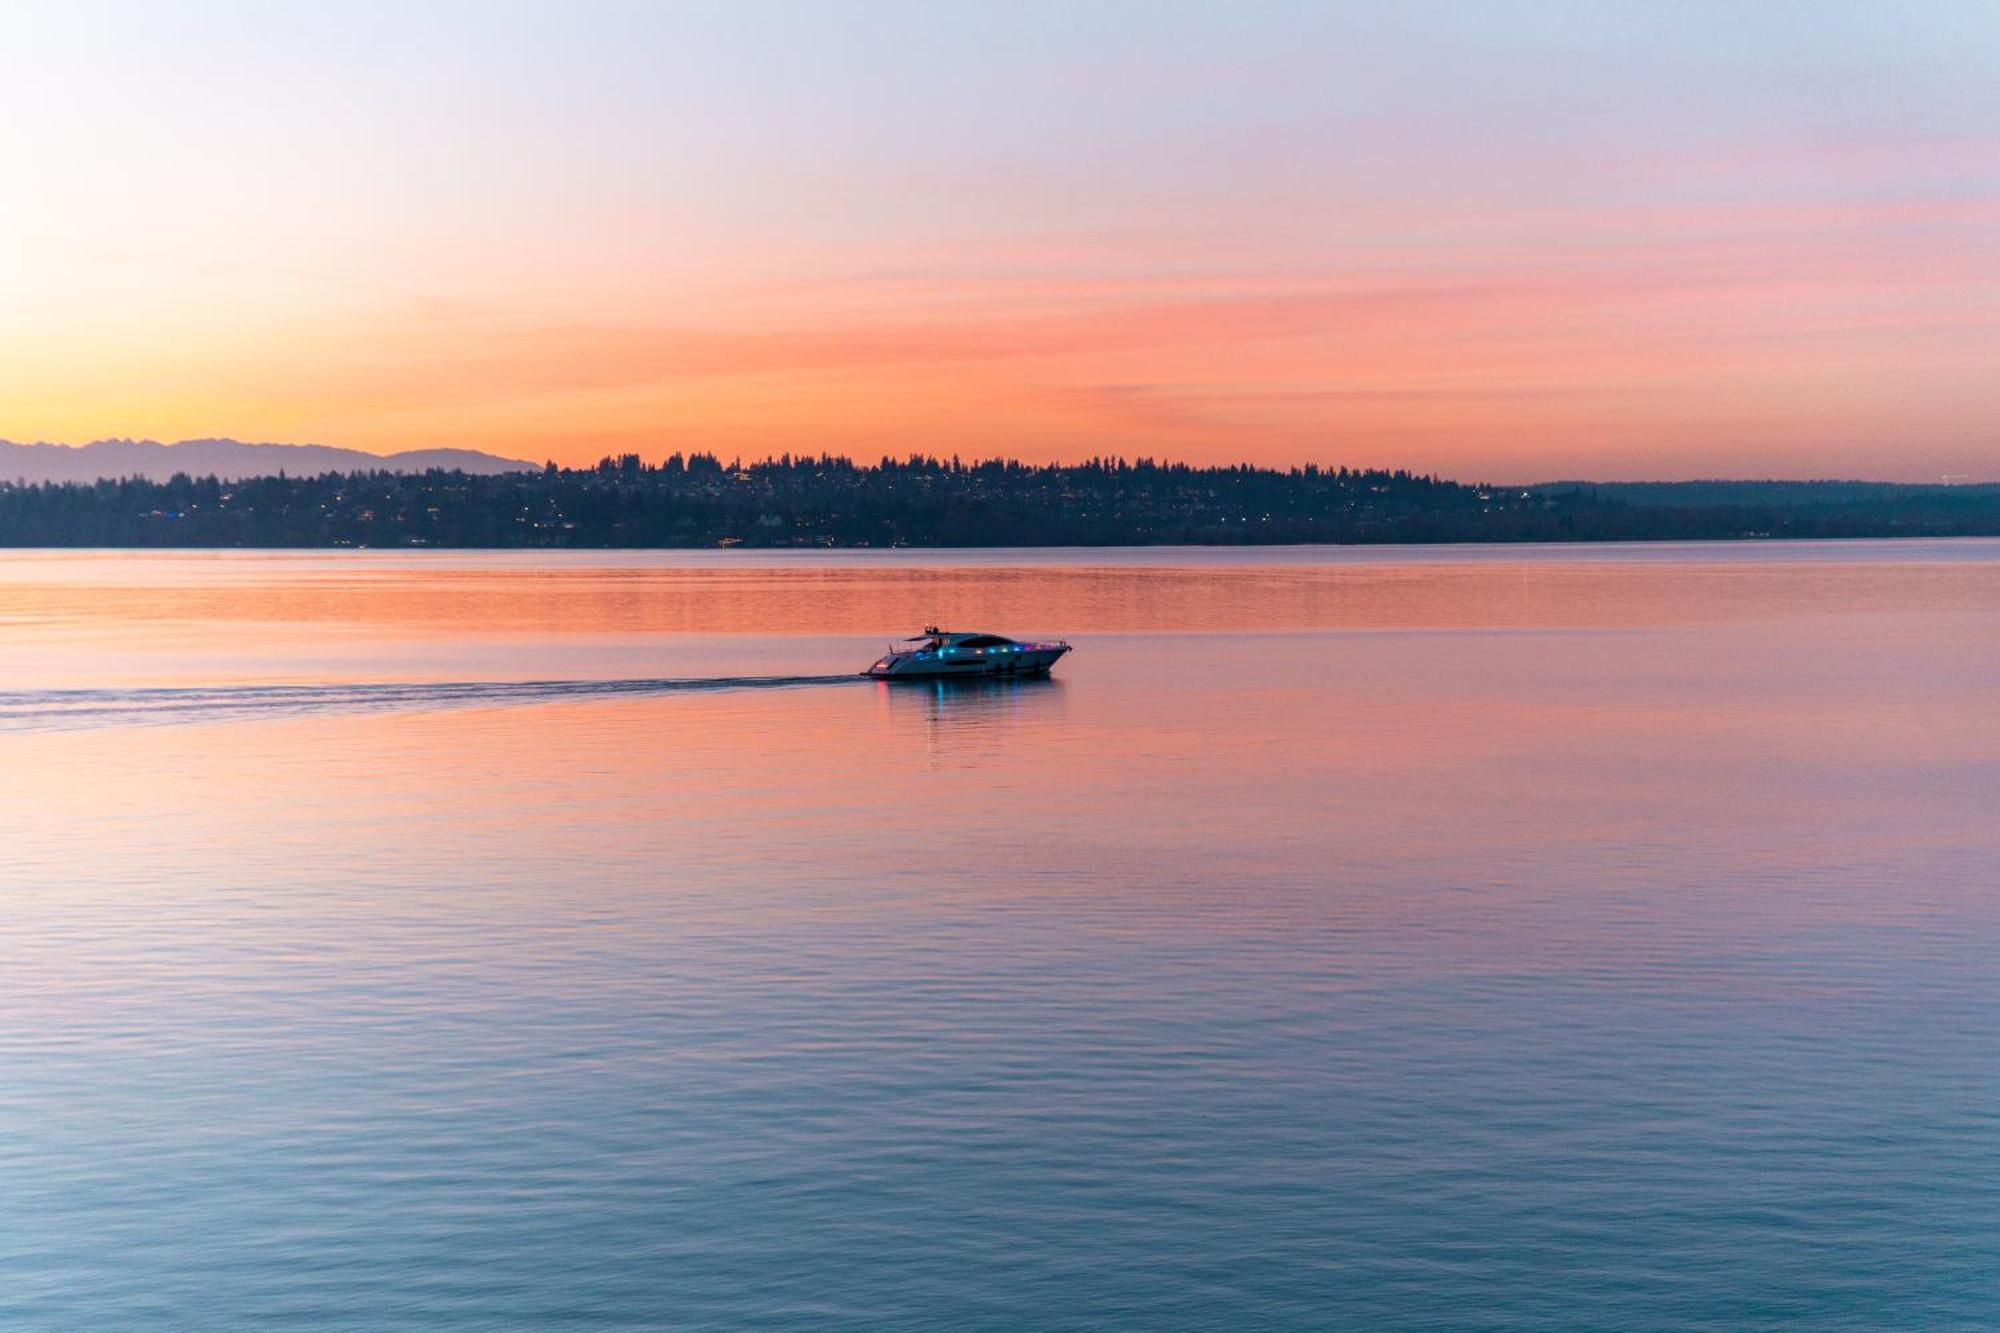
(699, 501)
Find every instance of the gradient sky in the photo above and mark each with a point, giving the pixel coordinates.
(1516, 241)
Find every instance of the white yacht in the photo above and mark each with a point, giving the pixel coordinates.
(956, 653)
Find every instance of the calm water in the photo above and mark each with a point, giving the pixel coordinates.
(1382, 939)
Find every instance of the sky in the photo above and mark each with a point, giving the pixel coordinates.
(1508, 240)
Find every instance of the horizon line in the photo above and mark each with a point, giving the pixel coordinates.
(739, 462)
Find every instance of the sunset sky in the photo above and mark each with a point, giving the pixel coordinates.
(1516, 241)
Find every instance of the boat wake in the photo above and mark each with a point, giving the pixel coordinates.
(44, 710)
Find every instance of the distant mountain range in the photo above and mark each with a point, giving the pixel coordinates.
(229, 460)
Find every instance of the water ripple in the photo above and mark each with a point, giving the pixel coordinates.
(64, 710)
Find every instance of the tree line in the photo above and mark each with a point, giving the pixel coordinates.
(699, 501)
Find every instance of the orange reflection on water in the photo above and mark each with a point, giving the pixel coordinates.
(348, 604)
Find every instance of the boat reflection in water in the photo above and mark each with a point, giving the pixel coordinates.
(966, 722)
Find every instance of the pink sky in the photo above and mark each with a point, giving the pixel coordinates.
(1521, 242)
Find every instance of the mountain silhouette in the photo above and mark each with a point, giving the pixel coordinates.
(229, 460)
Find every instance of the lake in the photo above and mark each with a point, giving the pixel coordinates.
(1376, 938)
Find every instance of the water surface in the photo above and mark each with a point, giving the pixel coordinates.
(1488, 938)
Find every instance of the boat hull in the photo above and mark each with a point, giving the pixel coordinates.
(968, 664)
